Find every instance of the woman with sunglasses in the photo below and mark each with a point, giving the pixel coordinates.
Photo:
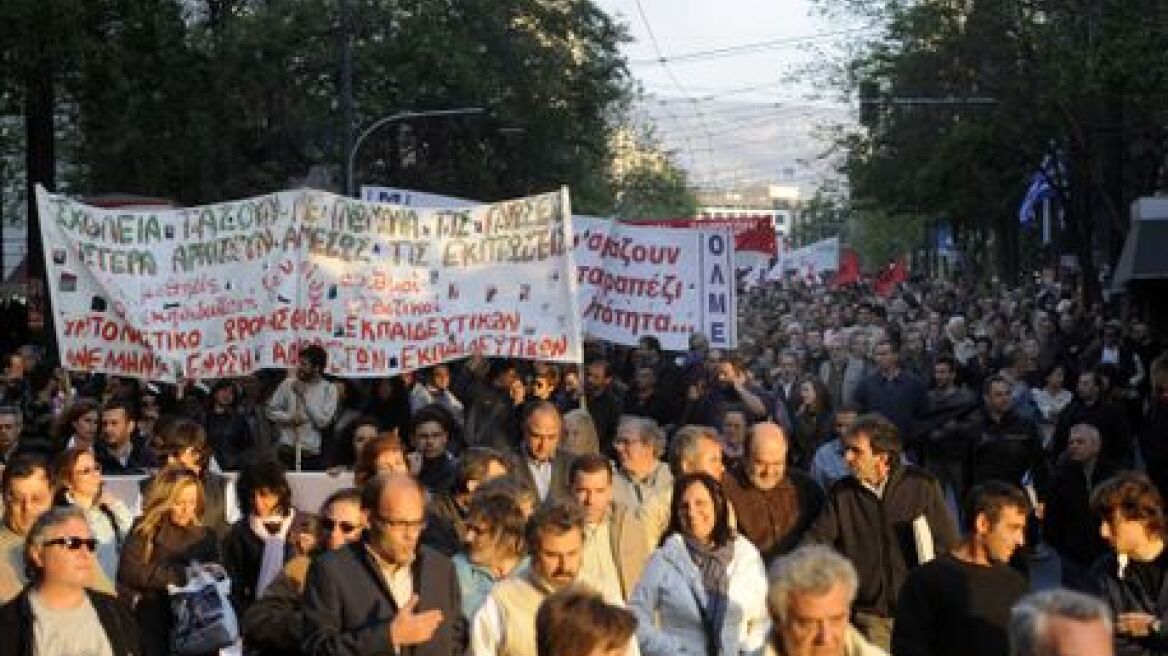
(165, 540)
(274, 624)
(79, 483)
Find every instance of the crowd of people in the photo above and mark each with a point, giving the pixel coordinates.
(862, 475)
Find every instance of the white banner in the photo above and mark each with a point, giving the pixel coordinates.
(222, 290)
(809, 261)
(638, 280)
(670, 282)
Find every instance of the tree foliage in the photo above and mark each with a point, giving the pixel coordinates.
(205, 100)
(963, 98)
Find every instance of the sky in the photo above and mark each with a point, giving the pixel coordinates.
(748, 112)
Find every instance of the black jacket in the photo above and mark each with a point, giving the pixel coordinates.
(1068, 523)
(120, 628)
(348, 606)
(1128, 595)
(274, 624)
(1005, 450)
(243, 555)
(876, 533)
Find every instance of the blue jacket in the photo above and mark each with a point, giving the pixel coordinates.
(666, 600)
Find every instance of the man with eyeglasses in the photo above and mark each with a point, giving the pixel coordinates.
(385, 593)
(28, 493)
(56, 613)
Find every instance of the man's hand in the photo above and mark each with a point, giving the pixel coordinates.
(410, 628)
(1134, 624)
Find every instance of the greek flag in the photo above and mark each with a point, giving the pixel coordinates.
(1039, 190)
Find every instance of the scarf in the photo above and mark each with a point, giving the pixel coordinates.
(273, 533)
(713, 565)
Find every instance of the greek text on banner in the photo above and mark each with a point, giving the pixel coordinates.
(223, 290)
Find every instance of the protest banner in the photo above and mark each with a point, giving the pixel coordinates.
(811, 261)
(636, 279)
(754, 236)
(222, 290)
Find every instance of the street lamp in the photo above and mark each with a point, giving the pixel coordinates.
(400, 116)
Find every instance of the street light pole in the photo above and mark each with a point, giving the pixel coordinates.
(386, 120)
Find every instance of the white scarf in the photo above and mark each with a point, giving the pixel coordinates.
(274, 547)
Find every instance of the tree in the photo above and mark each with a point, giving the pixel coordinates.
(972, 93)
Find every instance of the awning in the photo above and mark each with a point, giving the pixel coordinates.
(1145, 253)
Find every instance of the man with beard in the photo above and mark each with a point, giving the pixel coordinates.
(505, 624)
(967, 592)
(303, 407)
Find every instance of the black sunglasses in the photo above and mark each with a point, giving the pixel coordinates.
(73, 543)
(329, 525)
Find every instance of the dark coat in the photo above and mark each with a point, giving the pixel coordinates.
(1128, 595)
(876, 533)
(561, 469)
(348, 606)
(243, 554)
(274, 624)
(1068, 523)
(148, 577)
(139, 462)
(774, 520)
(120, 628)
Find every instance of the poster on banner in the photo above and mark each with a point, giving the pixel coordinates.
(636, 280)
(694, 290)
(810, 261)
(222, 290)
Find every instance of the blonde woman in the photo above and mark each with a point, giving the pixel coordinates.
(165, 540)
(79, 483)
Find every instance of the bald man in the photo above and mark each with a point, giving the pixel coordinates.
(387, 593)
(774, 504)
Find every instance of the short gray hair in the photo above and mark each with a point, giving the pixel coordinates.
(647, 430)
(684, 446)
(1087, 430)
(1028, 618)
(50, 519)
(812, 568)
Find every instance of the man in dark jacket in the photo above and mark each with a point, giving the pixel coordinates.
(56, 614)
(1004, 445)
(386, 594)
(893, 392)
(887, 518)
(1089, 407)
(121, 449)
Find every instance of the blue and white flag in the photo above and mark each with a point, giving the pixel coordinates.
(1040, 189)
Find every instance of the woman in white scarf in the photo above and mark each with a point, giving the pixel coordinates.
(257, 546)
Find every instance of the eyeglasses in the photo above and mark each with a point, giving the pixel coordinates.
(330, 525)
(401, 524)
(73, 543)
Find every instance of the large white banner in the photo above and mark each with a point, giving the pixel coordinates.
(809, 261)
(667, 282)
(666, 279)
(222, 290)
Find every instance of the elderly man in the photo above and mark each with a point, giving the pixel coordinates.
(541, 465)
(641, 475)
(28, 493)
(774, 504)
(887, 518)
(810, 601)
(505, 625)
(697, 449)
(617, 542)
(385, 593)
(1060, 623)
(56, 613)
(969, 591)
(1068, 523)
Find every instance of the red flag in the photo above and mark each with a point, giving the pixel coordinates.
(849, 268)
(892, 275)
